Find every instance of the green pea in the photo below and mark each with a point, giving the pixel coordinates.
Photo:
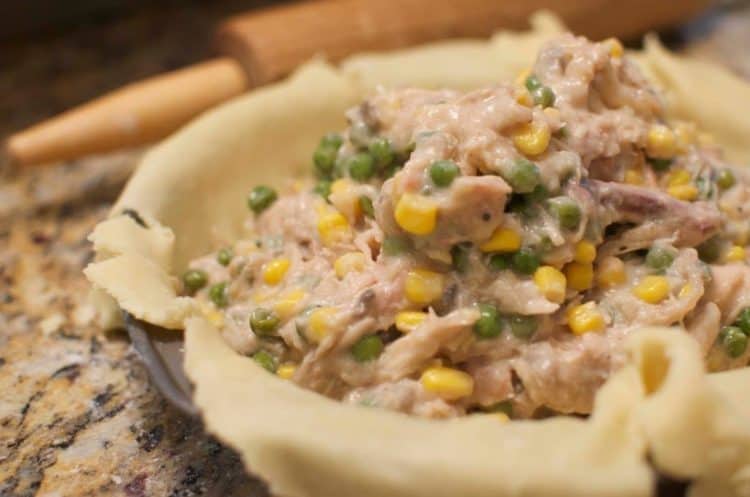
(710, 250)
(532, 83)
(538, 194)
(263, 321)
(361, 166)
(261, 197)
(395, 245)
(659, 258)
(266, 361)
(523, 176)
(725, 179)
(367, 348)
(525, 261)
(544, 96)
(490, 323)
(443, 172)
(381, 151)
(323, 188)
(218, 294)
(332, 140)
(224, 256)
(505, 407)
(500, 262)
(567, 212)
(324, 158)
(194, 279)
(733, 340)
(365, 203)
(460, 257)
(523, 327)
(659, 164)
(743, 320)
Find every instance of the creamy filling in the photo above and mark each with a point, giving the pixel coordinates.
(490, 250)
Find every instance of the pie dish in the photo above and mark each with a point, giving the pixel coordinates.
(658, 410)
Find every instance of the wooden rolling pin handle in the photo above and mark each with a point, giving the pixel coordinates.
(271, 43)
(133, 115)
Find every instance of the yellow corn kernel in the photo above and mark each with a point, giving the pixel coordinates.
(661, 142)
(678, 177)
(345, 198)
(341, 185)
(349, 262)
(286, 370)
(633, 176)
(685, 291)
(531, 138)
(439, 254)
(332, 227)
(585, 318)
(683, 192)
(551, 283)
(521, 78)
(502, 240)
(320, 323)
(585, 252)
(213, 316)
(735, 254)
(616, 49)
(523, 97)
(416, 214)
(423, 286)
(448, 383)
(288, 303)
(408, 321)
(499, 416)
(580, 276)
(610, 272)
(274, 271)
(652, 289)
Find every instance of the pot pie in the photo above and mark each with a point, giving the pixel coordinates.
(499, 251)
(490, 251)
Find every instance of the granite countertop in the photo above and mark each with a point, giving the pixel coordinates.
(78, 415)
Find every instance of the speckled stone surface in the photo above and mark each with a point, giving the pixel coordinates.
(78, 416)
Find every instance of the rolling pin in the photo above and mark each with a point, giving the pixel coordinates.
(263, 46)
